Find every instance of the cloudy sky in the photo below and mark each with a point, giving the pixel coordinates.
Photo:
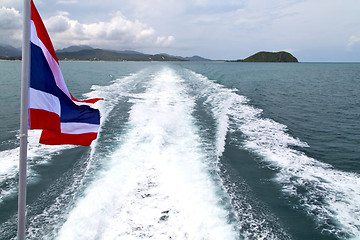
(312, 30)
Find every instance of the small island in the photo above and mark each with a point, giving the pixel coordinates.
(270, 57)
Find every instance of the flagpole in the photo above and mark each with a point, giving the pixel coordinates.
(25, 75)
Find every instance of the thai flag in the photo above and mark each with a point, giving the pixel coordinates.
(63, 119)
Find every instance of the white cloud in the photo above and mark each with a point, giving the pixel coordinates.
(10, 26)
(165, 41)
(201, 2)
(226, 29)
(10, 18)
(118, 32)
(11, 3)
(353, 40)
(59, 23)
(66, 1)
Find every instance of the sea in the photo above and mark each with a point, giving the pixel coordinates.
(193, 150)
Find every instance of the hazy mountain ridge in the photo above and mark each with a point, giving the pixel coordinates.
(84, 52)
(9, 51)
(74, 48)
(110, 55)
(88, 53)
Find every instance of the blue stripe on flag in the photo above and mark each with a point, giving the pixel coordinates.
(41, 78)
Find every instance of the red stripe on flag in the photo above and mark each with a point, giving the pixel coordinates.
(50, 138)
(92, 100)
(41, 119)
(41, 31)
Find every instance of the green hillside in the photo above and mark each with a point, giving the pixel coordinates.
(107, 55)
(271, 57)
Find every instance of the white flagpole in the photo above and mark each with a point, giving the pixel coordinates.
(25, 75)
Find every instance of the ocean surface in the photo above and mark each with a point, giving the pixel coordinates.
(203, 150)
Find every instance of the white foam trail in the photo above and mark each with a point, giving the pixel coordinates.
(331, 196)
(37, 154)
(46, 224)
(8, 164)
(119, 88)
(156, 184)
(220, 112)
(221, 101)
(8, 171)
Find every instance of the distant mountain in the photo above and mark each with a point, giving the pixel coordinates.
(77, 48)
(193, 58)
(87, 53)
(74, 48)
(197, 59)
(270, 57)
(128, 52)
(110, 55)
(9, 51)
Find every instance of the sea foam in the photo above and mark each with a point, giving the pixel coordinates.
(330, 196)
(156, 184)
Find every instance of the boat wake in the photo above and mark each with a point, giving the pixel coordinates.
(328, 195)
(156, 169)
(156, 184)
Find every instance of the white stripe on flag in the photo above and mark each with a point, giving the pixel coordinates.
(79, 128)
(43, 101)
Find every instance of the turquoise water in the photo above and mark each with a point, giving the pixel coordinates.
(194, 151)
